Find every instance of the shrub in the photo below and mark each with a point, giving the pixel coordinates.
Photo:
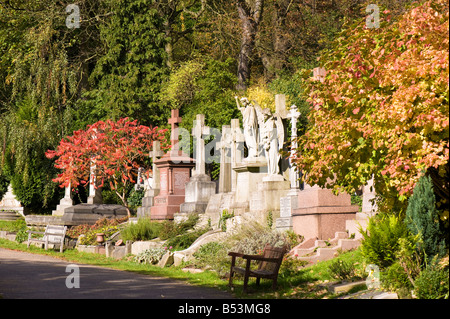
(422, 218)
(135, 198)
(381, 239)
(433, 282)
(290, 266)
(170, 229)
(144, 229)
(213, 255)
(13, 226)
(186, 239)
(251, 238)
(88, 232)
(342, 270)
(150, 256)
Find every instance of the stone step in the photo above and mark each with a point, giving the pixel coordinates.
(9, 215)
(324, 250)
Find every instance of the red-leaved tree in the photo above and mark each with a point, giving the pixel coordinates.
(115, 151)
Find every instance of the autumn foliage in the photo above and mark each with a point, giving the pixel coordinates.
(382, 108)
(115, 149)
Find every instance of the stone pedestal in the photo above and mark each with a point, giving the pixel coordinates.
(90, 213)
(174, 169)
(320, 213)
(198, 191)
(147, 202)
(65, 202)
(249, 174)
(95, 196)
(267, 196)
(368, 205)
(266, 199)
(10, 203)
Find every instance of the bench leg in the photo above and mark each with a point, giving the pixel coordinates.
(233, 262)
(274, 283)
(245, 284)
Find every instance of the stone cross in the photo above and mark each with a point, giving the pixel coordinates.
(155, 154)
(95, 193)
(293, 115)
(280, 105)
(67, 192)
(174, 121)
(198, 131)
(237, 149)
(225, 162)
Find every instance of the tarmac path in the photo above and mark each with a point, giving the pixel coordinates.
(31, 276)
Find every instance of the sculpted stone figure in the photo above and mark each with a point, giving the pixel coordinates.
(273, 137)
(250, 123)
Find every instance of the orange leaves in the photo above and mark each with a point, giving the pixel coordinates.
(383, 107)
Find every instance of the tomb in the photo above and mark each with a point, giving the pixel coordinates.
(174, 172)
(199, 188)
(10, 203)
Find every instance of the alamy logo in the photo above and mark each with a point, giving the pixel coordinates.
(73, 280)
(373, 19)
(73, 19)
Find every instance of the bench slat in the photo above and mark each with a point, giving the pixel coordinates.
(54, 234)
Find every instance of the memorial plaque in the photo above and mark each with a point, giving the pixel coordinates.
(285, 206)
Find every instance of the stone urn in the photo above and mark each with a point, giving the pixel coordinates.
(100, 237)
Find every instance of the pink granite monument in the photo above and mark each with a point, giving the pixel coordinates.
(175, 171)
(320, 213)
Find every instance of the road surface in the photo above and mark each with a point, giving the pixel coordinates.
(31, 276)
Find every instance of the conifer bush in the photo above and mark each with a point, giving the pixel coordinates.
(422, 219)
(381, 239)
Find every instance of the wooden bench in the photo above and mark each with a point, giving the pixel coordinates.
(269, 265)
(53, 234)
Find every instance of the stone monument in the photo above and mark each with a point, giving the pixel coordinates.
(174, 171)
(95, 193)
(200, 188)
(65, 202)
(225, 184)
(94, 209)
(320, 213)
(9, 202)
(289, 202)
(152, 190)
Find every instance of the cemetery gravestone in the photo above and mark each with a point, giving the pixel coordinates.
(152, 190)
(289, 202)
(65, 202)
(320, 213)
(200, 188)
(174, 167)
(9, 202)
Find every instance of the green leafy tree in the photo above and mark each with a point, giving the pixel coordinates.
(127, 77)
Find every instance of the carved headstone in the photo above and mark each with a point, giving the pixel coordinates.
(174, 168)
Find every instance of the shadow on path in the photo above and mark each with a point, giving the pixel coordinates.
(30, 276)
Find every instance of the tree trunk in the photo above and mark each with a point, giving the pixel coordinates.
(250, 18)
(274, 54)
